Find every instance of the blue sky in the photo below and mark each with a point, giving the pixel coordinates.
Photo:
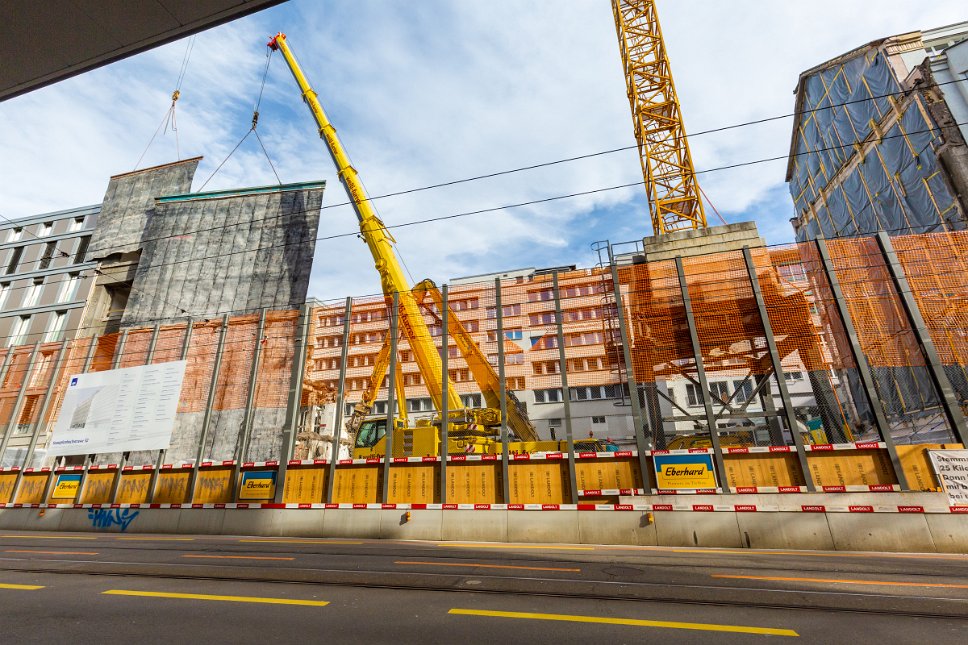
(437, 90)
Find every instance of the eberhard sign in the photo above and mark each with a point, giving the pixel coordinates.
(684, 472)
(119, 410)
(952, 469)
(258, 485)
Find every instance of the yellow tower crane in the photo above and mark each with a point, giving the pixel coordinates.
(670, 178)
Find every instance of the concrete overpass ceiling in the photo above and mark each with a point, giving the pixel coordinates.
(49, 40)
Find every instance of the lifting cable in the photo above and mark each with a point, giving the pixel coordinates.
(251, 130)
(169, 118)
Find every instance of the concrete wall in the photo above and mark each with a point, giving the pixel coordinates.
(901, 532)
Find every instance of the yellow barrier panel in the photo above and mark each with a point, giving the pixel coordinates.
(763, 470)
(214, 486)
(917, 464)
(603, 474)
(414, 484)
(67, 487)
(358, 484)
(7, 482)
(539, 483)
(32, 488)
(851, 468)
(97, 488)
(134, 488)
(305, 485)
(172, 487)
(473, 483)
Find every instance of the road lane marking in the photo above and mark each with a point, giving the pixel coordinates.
(883, 583)
(199, 596)
(749, 552)
(48, 537)
(239, 557)
(153, 539)
(543, 547)
(298, 542)
(50, 552)
(633, 622)
(484, 566)
(4, 585)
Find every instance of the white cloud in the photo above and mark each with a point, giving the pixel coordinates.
(440, 90)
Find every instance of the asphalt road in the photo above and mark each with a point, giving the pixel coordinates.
(103, 588)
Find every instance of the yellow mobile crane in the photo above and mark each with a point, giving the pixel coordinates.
(470, 428)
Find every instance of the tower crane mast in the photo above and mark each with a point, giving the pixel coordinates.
(670, 178)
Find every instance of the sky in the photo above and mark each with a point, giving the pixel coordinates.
(441, 90)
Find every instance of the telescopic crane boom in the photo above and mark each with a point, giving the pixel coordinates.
(393, 280)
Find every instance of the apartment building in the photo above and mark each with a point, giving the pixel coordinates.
(45, 280)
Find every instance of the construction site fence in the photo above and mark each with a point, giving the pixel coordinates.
(816, 366)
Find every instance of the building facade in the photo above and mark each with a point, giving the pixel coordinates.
(878, 140)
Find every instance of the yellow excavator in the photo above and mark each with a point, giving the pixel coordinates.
(470, 430)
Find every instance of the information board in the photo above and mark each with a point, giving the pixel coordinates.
(119, 410)
(684, 472)
(952, 469)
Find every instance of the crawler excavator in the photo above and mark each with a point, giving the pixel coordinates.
(469, 429)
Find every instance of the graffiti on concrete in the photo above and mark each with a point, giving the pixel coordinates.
(105, 518)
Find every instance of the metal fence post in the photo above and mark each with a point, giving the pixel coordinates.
(788, 410)
(340, 393)
(248, 418)
(444, 390)
(701, 373)
(949, 401)
(505, 466)
(565, 392)
(860, 360)
(18, 403)
(300, 355)
(391, 396)
(153, 482)
(642, 444)
(209, 404)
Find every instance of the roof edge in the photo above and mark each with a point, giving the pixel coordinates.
(241, 192)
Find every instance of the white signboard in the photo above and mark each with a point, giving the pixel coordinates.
(119, 410)
(952, 469)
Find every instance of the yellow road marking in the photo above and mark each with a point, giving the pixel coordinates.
(21, 587)
(483, 566)
(707, 627)
(543, 547)
(299, 542)
(239, 557)
(51, 552)
(48, 537)
(199, 596)
(748, 552)
(152, 539)
(840, 581)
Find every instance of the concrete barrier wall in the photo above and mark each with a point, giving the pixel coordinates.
(900, 532)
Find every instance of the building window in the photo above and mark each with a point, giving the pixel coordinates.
(598, 420)
(506, 310)
(56, 329)
(82, 245)
(45, 229)
(548, 396)
(48, 255)
(69, 287)
(16, 234)
(793, 376)
(15, 256)
(32, 293)
(76, 224)
(471, 400)
(19, 333)
(4, 292)
(720, 390)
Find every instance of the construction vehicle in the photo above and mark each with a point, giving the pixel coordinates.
(469, 429)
